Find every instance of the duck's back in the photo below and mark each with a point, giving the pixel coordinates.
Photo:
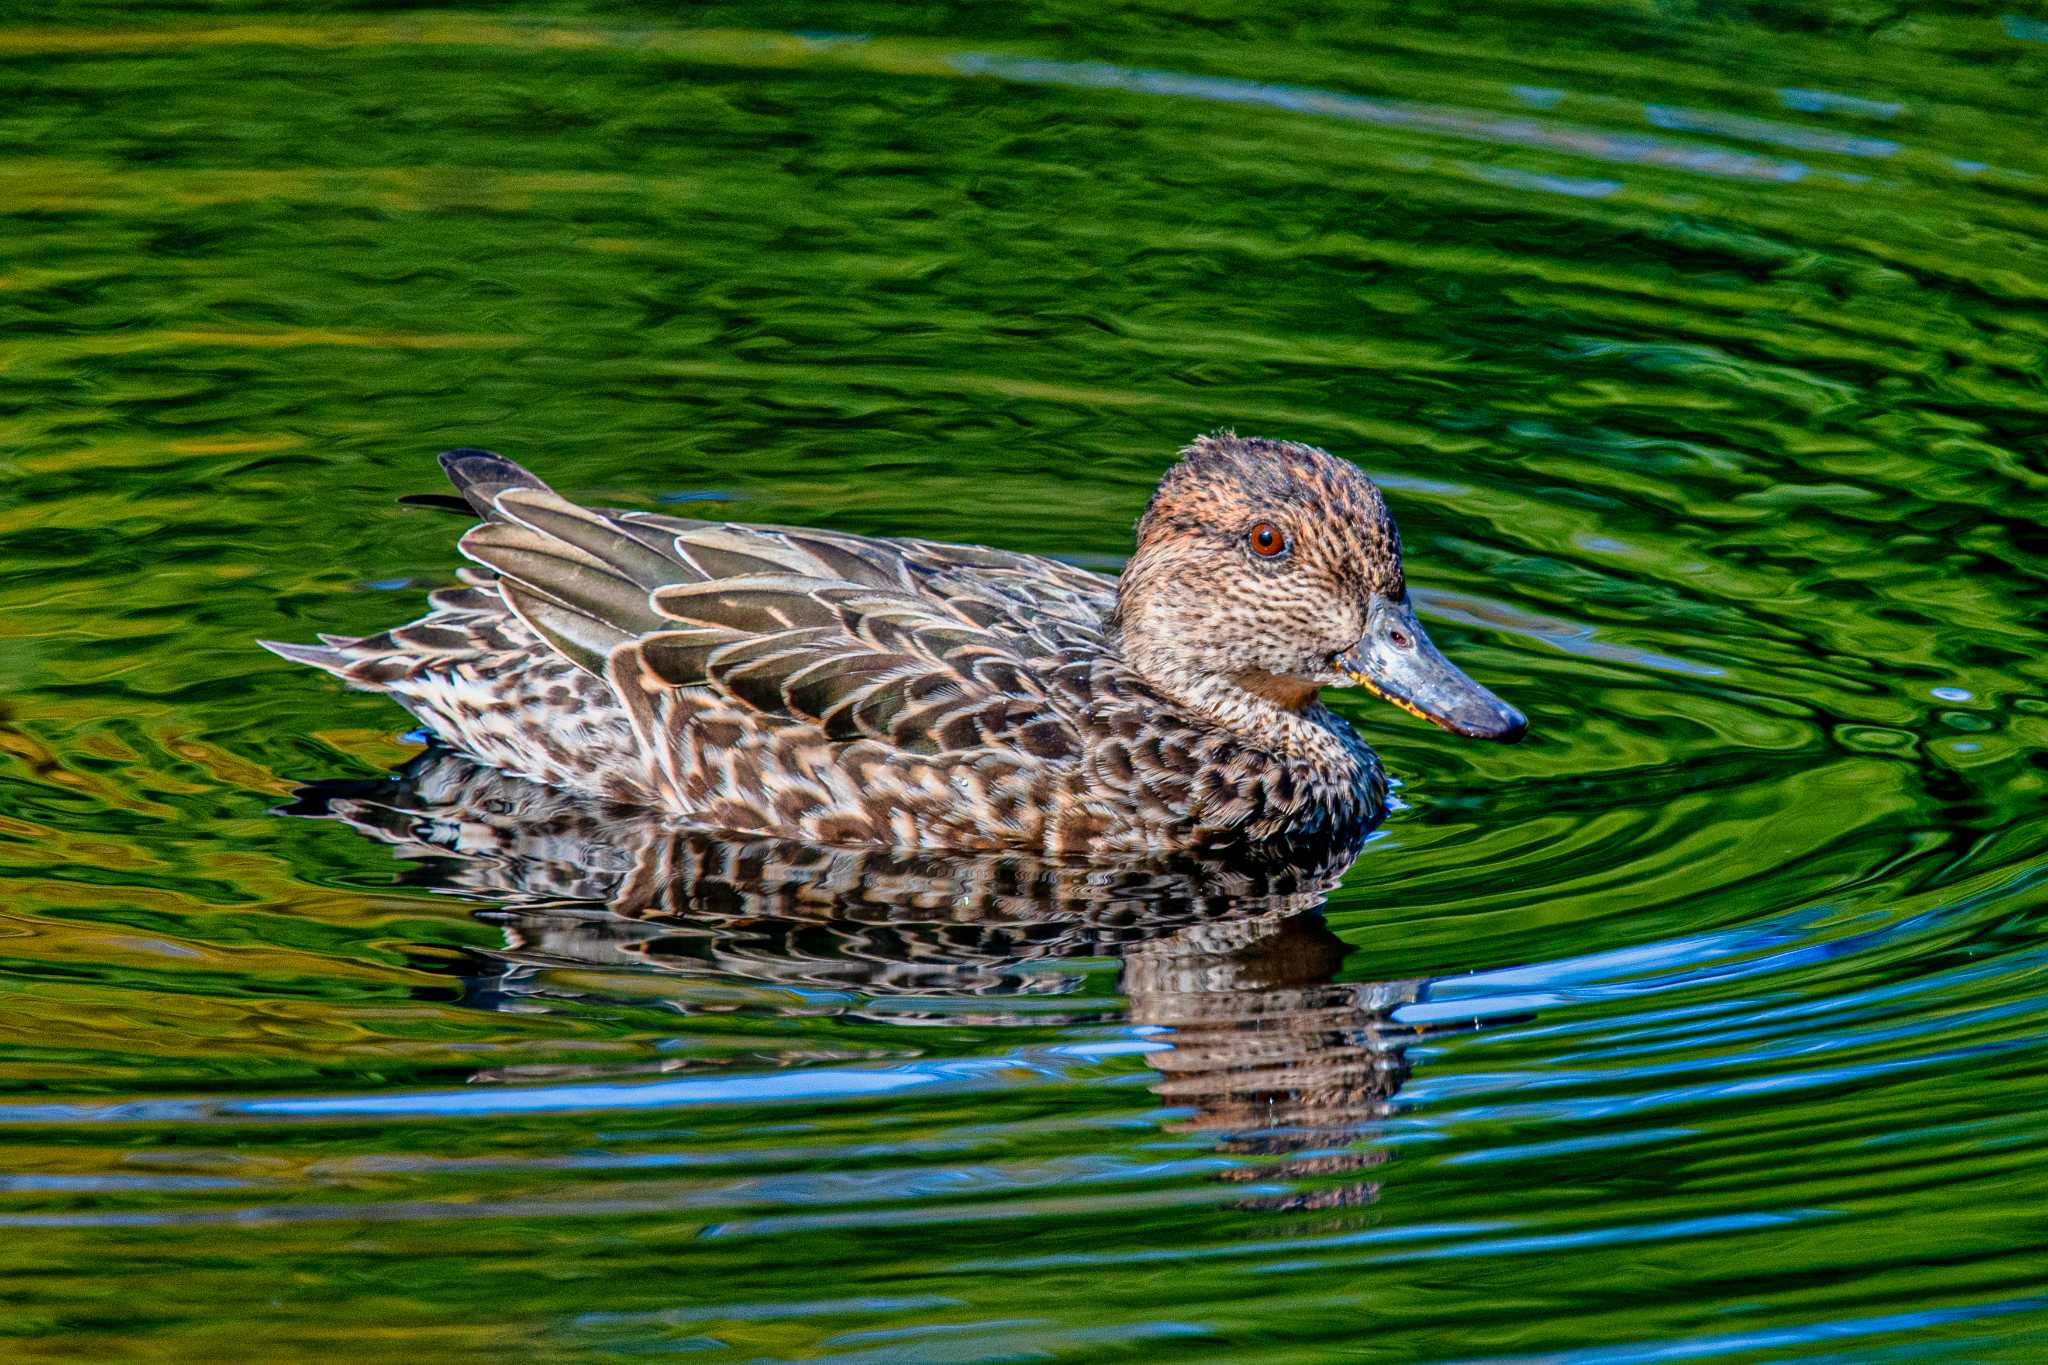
(805, 683)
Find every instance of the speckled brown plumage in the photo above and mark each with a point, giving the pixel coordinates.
(847, 690)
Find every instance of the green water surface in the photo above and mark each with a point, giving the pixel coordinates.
(1700, 349)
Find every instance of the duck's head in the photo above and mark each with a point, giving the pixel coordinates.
(1271, 568)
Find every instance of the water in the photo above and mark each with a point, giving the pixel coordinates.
(1701, 350)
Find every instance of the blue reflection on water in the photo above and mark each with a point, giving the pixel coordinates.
(1441, 120)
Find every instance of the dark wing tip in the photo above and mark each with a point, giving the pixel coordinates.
(480, 475)
(464, 458)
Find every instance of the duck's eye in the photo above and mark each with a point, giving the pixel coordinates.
(1267, 540)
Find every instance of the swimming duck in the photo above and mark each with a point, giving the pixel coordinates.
(843, 689)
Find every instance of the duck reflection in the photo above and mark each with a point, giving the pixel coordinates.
(1264, 1049)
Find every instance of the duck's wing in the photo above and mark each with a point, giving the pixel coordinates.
(1050, 604)
(863, 640)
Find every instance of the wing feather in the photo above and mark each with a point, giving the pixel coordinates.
(585, 640)
(762, 604)
(922, 647)
(858, 662)
(555, 569)
(644, 556)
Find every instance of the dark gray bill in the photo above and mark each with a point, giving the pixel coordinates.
(1396, 662)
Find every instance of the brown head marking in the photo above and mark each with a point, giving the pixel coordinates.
(1256, 562)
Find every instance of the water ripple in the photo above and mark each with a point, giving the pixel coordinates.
(1699, 356)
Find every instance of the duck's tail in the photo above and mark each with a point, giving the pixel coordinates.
(464, 622)
(331, 657)
(479, 476)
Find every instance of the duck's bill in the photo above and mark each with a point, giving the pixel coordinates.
(1396, 662)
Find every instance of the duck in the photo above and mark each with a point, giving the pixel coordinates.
(847, 690)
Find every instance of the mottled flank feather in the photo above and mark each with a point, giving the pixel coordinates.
(511, 841)
(847, 690)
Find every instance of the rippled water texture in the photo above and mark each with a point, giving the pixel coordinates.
(1701, 351)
